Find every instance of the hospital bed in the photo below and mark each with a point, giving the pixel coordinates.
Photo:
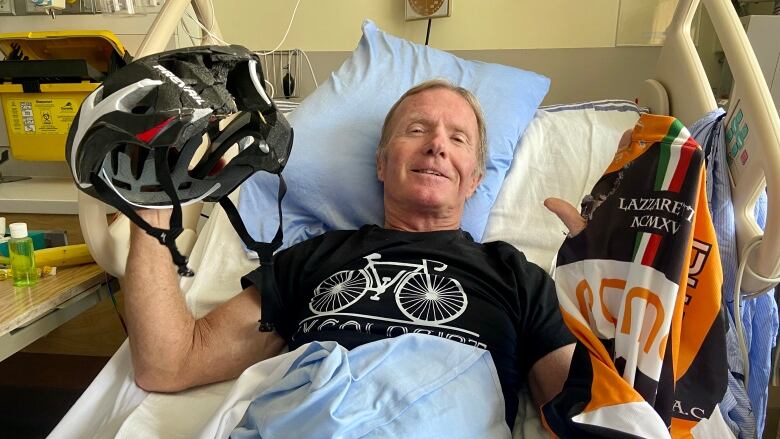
(560, 144)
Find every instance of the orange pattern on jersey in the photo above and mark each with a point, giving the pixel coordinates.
(669, 310)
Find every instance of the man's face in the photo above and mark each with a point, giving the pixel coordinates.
(430, 162)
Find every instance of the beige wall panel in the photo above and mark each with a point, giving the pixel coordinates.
(512, 24)
(318, 25)
(710, 51)
(576, 74)
(334, 25)
(644, 22)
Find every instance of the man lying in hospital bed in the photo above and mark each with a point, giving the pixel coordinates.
(431, 158)
(201, 301)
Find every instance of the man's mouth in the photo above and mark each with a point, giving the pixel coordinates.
(429, 172)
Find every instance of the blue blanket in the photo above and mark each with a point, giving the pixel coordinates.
(412, 386)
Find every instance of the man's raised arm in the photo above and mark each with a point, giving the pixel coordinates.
(171, 350)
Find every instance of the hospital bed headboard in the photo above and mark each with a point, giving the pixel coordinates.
(753, 127)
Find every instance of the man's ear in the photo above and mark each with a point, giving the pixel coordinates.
(476, 179)
(380, 167)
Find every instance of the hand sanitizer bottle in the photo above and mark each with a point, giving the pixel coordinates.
(20, 247)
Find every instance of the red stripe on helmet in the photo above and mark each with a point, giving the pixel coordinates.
(149, 134)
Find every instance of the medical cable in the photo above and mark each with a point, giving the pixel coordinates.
(113, 300)
(738, 296)
(213, 20)
(284, 38)
(196, 21)
(220, 40)
(186, 31)
(289, 25)
(428, 32)
(273, 90)
(311, 69)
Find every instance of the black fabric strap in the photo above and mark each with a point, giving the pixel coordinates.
(164, 178)
(166, 237)
(270, 299)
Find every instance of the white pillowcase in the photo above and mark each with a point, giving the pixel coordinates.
(563, 153)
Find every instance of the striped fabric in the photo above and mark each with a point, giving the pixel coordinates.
(640, 289)
(602, 105)
(286, 105)
(744, 409)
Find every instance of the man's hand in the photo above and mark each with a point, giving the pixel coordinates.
(567, 213)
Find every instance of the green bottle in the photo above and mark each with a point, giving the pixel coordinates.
(20, 247)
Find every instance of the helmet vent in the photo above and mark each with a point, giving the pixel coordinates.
(120, 184)
(142, 109)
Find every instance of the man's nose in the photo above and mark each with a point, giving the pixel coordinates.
(438, 143)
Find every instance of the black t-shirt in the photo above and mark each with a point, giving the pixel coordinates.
(355, 287)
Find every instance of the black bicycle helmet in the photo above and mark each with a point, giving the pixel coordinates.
(136, 140)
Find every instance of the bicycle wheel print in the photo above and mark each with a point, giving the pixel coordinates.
(430, 298)
(338, 291)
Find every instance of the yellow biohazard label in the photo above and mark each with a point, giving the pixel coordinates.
(40, 115)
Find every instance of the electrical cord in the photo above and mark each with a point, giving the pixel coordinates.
(113, 300)
(738, 296)
(186, 31)
(197, 21)
(311, 69)
(200, 25)
(284, 38)
(289, 25)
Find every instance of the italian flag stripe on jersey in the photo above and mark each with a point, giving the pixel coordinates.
(686, 151)
(677, 147)
(646, 247)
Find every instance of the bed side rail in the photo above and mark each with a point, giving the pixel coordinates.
(754, 140)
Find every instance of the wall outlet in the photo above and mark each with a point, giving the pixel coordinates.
(6, 6)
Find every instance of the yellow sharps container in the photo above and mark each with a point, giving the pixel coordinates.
(43, 79)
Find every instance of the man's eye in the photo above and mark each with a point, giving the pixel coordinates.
(415, 129)
(459, 139)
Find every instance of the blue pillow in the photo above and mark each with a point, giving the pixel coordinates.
(331, 173)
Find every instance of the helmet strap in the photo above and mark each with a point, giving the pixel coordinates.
(166, 237)
(175, 227)
(270, 299)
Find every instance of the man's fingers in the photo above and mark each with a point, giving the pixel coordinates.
(567, 213)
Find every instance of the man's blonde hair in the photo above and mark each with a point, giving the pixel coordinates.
(428, 85)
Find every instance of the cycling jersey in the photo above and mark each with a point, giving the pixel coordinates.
(640, 288)
(354, 287)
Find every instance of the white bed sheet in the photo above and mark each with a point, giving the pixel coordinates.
(563, 152)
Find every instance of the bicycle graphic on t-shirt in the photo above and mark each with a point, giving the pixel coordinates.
(421, 295)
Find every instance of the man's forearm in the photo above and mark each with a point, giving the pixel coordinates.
(159, 324)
